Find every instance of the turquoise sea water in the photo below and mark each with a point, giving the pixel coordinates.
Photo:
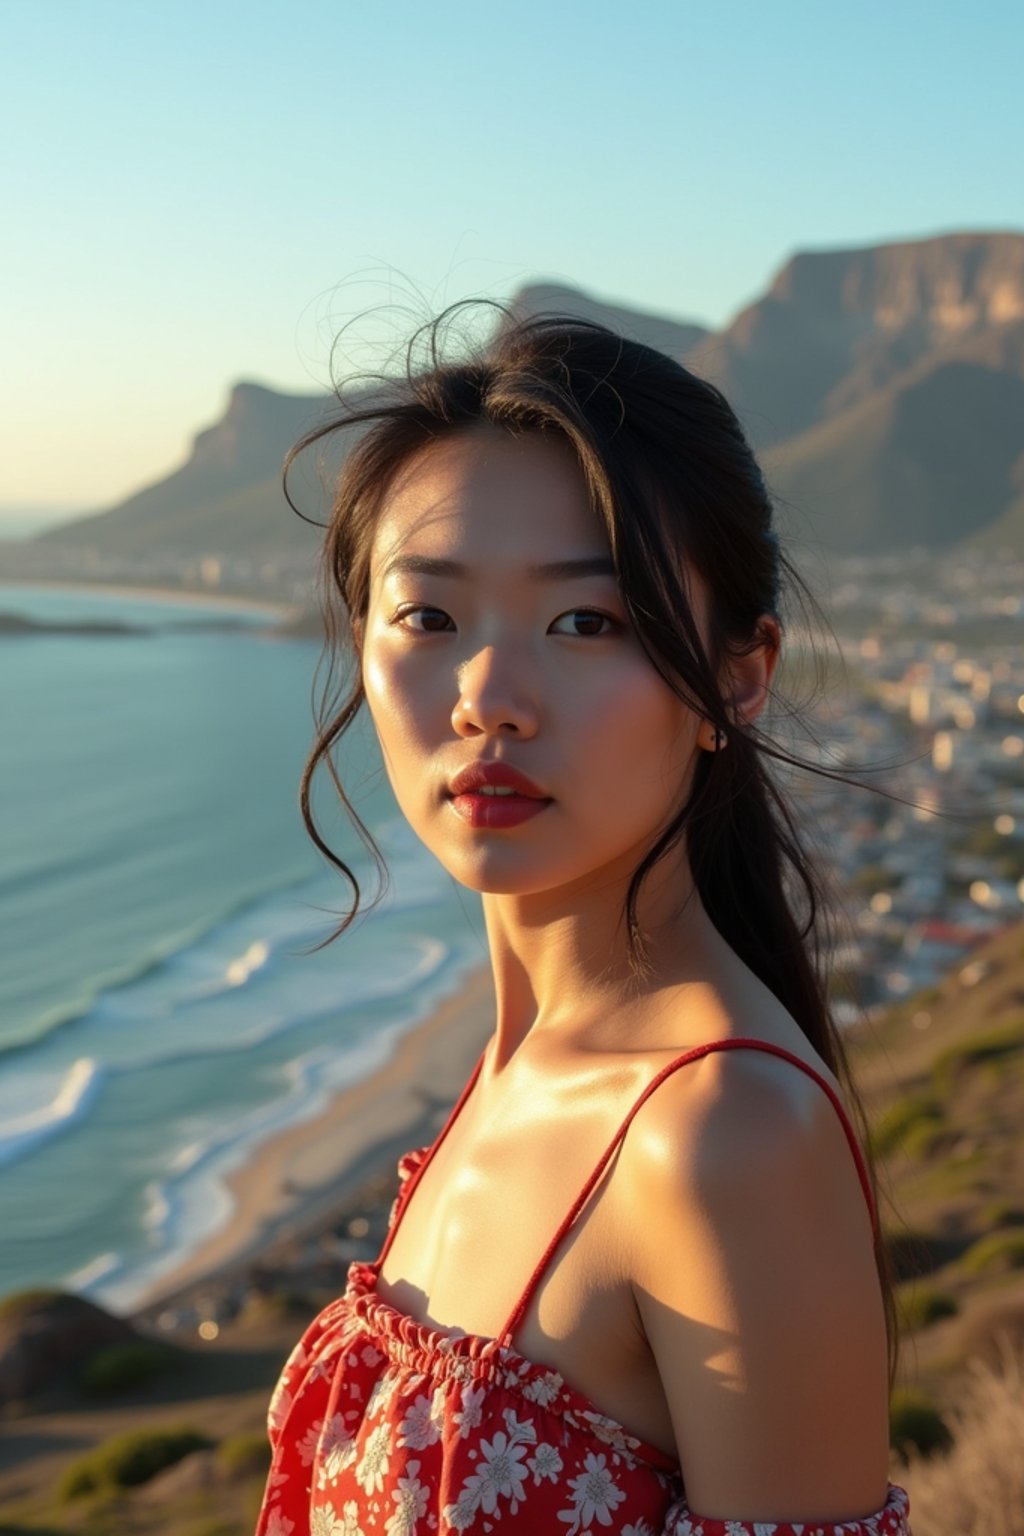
(157, 1016)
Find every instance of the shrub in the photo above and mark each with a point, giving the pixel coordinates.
(979, 1486)
(919, 1110)
(915, 1423)
(129, 1460)
(976, 1049)
(279, 1305)
(914, 1253)
(985, 1332)
(123, 1367)
(27, 1301)
(922, 1138)
(999, 1251)
(920, 1305)
(240, 1454)
(1002, 1213)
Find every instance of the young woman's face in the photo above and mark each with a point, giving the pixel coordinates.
(496, 634)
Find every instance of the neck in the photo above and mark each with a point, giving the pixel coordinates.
(561, 962)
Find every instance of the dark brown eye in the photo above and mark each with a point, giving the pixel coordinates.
(587, 623)
(432, 621)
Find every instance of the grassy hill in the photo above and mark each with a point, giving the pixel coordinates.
(943, 1080)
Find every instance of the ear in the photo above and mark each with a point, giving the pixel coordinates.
(748, 677)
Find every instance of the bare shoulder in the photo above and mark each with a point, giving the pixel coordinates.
(720, 1106)
(753, 1267)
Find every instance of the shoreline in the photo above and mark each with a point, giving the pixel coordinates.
(296, 1180)
(187, 597)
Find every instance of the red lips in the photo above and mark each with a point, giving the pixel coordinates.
(499, 774)
(495, 812)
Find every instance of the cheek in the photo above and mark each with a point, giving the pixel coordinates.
(642, 725)
(400, 708)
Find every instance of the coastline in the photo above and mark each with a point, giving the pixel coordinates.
(187, 597)
(295, 1181)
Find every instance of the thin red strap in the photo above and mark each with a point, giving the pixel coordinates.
(673, 1066)
(405, 1193)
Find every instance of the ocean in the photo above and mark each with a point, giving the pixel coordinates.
(158, 1015)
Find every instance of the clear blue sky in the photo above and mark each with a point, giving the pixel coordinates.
(195, 193)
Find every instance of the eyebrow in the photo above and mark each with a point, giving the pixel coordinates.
(555, 570)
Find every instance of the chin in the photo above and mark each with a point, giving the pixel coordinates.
(495, 876)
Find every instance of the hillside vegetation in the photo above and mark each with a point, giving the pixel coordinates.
(943, 1082)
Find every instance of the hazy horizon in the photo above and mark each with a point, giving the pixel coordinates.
(180, 216)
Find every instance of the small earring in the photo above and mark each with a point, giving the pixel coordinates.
(718, 740)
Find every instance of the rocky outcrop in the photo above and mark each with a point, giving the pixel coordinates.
(885, 382)
(45, 1339)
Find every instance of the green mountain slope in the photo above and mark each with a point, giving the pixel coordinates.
(884, 386)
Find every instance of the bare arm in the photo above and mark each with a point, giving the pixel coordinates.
(756, 1284)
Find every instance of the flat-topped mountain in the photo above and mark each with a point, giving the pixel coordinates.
(884, 387)
(836, 327)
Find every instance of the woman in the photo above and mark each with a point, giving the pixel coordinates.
(562, 589)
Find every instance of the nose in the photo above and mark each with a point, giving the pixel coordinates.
(493, 698)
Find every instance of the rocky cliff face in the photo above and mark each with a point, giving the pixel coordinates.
(884, 385)
(836, 326)
(255, 432)
(949, 284)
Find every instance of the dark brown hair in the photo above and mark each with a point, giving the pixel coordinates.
(675, 483)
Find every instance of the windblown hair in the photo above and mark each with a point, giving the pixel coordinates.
(676, 486)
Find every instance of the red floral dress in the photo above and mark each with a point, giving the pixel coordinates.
(381, 1424)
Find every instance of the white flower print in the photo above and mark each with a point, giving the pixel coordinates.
(640, 1529)
(324, 1522)
(279, 1525)
(546, 1462)
(499, 1473)
(350, 1516)
(544, 1389)
(472, 1403)
(384, 1389)
(422, 1423)
(336, 1451)
(322, 1368)
(306, 1447)
(594, 1493)
(462, 1514)
(520, 1431)
(372, 1470)
(280, 1406)
(370, 1356)
(411, 1497)
(610, 1432)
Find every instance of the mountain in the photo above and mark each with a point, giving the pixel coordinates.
(676, 337)
(837, 326)
(930, 459)
(883, 387)
(226, 497)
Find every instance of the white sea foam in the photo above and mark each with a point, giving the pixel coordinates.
(193, 1202)
(61, 1101)
(86, 1279)
(157, 994)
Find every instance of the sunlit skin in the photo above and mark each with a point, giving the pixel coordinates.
(661, 1307)
(545, 674)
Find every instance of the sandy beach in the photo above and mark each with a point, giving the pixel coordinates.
(296, 1181)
